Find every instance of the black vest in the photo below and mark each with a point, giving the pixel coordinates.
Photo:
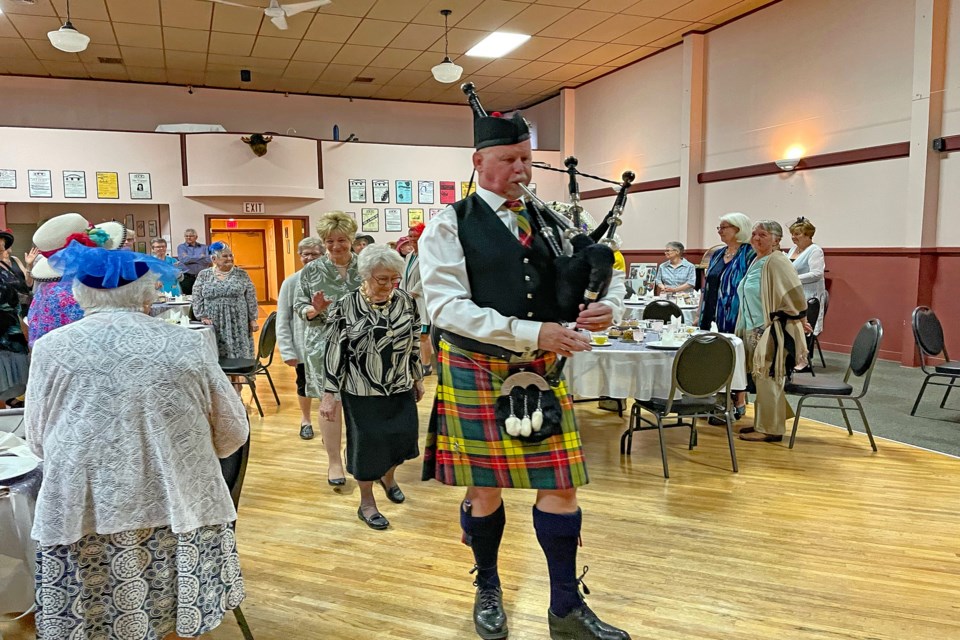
(504, 275)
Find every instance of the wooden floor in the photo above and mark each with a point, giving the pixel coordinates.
(827, 541)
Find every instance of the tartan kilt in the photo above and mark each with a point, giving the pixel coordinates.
(464, 445)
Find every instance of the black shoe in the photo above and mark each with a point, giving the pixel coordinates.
(489, 618)
(583, 624)
(393, 493)
(739, 412)
(336, 482)
(376, 521)
(306, 431)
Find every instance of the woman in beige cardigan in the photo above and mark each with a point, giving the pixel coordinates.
(771, 325)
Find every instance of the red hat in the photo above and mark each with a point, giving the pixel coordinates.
(417, 229)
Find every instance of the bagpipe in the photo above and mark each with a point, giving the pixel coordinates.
(584, 276)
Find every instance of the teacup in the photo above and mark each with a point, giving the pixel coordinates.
(599, 339)
(656, 325)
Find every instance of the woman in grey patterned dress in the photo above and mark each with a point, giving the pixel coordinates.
(323, 282)
(224, 297)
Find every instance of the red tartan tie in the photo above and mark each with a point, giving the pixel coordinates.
(523, 223)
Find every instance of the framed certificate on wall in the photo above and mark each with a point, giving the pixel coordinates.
(40, 183)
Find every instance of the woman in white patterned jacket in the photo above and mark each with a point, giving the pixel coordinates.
(134, 522)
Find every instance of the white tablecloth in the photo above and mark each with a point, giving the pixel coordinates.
(166, 310)
(634, 311)
(632, 371)
(17, 549)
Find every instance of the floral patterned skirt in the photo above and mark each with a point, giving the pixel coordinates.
(142, 584)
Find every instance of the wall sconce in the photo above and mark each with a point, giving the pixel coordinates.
(788, 164)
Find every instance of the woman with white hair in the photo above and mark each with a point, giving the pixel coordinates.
(676, 273)
(373, 362)
(719, 300)
(224, 296)
(291, 329)
(134, 522)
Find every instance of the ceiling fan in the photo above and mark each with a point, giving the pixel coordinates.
(278, 13)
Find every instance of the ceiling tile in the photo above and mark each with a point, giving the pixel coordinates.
(331, 28)
(380, 75)
(612, 28)
(296, 27)
(534, 18)
(185, 76)
(672, 38)
(629, 58)
(137, 35)
(34, 27)
(417, 36)
(395, 58)
(742, 7)
(186, 61)
(7, 29)
(536, 69)
(566, 72)
(22, 66)
(503, 67)
(107, 71)
(596, 72)
(39, 8)
(570, 51)
(410, 78)
(231, 44)
(391, 92)
(294, 85)
(147, 74)
(324, 88)
(236, 20)
(536, 86)
(491, 15)
(575, 23)
(654, 8)
(246, 62)
(316, 51)
(613, 6)
(43, 50)
(398, 10)
(281, 48)
(301, 70)
(82, 9)
(95, 51)
(355, 8)
(140, 12)
(359, 90)
(425, 92)
(376, 33)
(185, 39)
(696, 9)
(605, 53)
(651, 31)
(100, 32)
(506, 84)
(570, 4)
(66, 69)
(223, 79)
(431, 12)
(535, 47)
(340, 72)
(460, 41)
(356, 54)
(142, 57)
(188, 14)
(15, 48)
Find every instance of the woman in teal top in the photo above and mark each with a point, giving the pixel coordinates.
(323, 282)
(169, 286)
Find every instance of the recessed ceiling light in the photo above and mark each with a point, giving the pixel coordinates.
(497, 44)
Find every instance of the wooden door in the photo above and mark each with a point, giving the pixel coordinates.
(249, 253)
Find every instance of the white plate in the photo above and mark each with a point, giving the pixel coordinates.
(14, 466)
(605, 344)
(664, 347)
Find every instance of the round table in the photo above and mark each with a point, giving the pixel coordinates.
(167, 309)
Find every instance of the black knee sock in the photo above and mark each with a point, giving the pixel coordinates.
(483, 535)
(559, 535)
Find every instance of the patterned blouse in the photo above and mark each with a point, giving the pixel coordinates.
(231, 304)
(53, 306)
(373, 351)
(320, 275)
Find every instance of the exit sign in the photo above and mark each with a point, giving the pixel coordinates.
(253, 207)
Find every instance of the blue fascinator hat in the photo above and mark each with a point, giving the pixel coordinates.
(216, 246)
(104, 269)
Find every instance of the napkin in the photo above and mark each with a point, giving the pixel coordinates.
(714, 328)
(10, 443)
(184, 320)
(675, 321)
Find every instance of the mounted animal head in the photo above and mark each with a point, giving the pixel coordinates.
(258, 143)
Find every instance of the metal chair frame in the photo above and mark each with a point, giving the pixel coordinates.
(235, 484)
(813, 342)
(265, 349)
(871, 326)
(688, 350)
(661, 310)
(928, 350)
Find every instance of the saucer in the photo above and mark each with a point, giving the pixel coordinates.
(605, 344)
(663, 347)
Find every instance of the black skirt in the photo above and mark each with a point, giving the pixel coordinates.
(382, 432)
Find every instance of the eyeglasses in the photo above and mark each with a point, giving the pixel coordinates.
(385, 280)
(725, 226)
(669, 250)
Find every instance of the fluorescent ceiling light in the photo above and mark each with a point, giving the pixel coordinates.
(497, 44)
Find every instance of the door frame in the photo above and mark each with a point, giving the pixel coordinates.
(263, 243)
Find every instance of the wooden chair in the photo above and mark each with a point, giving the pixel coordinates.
(863, 356)
(928, 334)
(702, 369)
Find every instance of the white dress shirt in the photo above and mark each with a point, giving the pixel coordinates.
(446, 285)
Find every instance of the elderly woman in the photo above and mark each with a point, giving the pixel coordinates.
(807, 259)
(373, 362)
(134, 523)
(15, 273)
(677, 273)
(324, 281)
(291, 329)
(719, 301)
(224, 296)
(772, 306)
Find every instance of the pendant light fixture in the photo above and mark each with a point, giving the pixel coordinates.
(67, 38)
(446, 71)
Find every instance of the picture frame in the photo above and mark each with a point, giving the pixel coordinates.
(108, 185)
(74, 184)
(358, 190)
(8, 178)
(641, 276)
(392, 220)
(381, 191)
(141, 246)
(404, 191)
(448, 192)
(141, 229)
(434, 213)
(414, 216)
(370, 219)
(128, 221)
(140, 188)
(425, 192)
(40, 183)
(152, 229)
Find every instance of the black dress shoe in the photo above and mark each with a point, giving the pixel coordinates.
(336, 482)
(376, 521)
(583, 624)
(489, 618)
(393, 493)
(306, 431)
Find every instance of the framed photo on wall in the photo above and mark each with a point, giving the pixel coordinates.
(370, 219)
(404, 191)
(358, 190)
(141, 229)
(425, 192)
(74, 184)
(152, 229)
(140, 186)
(128, 221)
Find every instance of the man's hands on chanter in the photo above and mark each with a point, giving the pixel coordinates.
(596, 317)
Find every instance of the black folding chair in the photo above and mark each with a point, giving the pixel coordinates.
(702, 369)
(234, 468)
(863, 356)
(661, 310)
(813, 314)
(250, 368)
(928, 334)
(268, 343)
